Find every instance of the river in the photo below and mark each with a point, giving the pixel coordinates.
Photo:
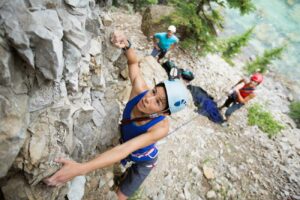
(277, 22)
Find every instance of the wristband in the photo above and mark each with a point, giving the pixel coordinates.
(129, 46)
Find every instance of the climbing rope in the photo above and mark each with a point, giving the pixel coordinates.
(182, 125)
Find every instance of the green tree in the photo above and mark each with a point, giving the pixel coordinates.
(260, 64)
(245, 6)
(197, 21)
(163, 2)
(295, 112)
(138, 4)
(233, 45)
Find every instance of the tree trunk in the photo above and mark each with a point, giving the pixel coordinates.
(115, 3)
(200, 6)
(163, 2)
(135, 5)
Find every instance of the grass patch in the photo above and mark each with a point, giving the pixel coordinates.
(295, 112)
(264, 120)
(138, 195)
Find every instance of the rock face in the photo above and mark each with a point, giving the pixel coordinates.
(151, 18)
(60, 94)
(14, 119)
(53, 103)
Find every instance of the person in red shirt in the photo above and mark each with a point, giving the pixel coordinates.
(241, 95)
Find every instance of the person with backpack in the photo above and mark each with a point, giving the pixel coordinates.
(241, 95)
(163, 42)
(144, 122)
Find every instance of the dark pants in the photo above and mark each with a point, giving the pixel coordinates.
(135, 176)
(232, 104)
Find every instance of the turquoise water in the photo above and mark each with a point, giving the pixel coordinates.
(276, 22)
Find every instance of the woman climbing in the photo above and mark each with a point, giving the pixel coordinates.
(144, 123)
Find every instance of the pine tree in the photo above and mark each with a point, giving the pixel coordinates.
(245, 6)
(233, 45)
(198, 21)
(295, 112)
(138, 4)
(260, 64)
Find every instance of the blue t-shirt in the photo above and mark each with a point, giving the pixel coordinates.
(165, 42)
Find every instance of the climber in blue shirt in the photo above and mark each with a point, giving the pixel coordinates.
(164, 42)
(143, 123)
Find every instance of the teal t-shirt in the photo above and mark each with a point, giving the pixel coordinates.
(165, 42)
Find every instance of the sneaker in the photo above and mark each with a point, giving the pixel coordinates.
(225, 124)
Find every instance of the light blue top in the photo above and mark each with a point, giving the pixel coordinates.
(165, 42)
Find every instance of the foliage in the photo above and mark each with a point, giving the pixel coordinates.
(233, 45)
(138, 4)
(245, 6)
(260, 64)
(264, 120)
(295, 111)
(197, 21)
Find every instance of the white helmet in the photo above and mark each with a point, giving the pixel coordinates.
(177, 95)
(172, 28)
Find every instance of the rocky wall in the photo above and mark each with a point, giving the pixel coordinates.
(57, 90)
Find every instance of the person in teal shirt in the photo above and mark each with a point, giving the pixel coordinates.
(163, 42)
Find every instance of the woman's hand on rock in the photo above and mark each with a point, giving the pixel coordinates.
(69, 170)
(119, 39)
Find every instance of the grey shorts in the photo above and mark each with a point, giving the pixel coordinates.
(135, 176)
(160, 53)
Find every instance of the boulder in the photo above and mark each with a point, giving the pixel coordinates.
(208, 172)
(98, 80)
(14, 119)
(96, 46)
(46, 33)
(84, 74)
(15, 16)
(48, 19)
(22, 193)
(72, 57)
(46, 95)
(74, 30)
(84, 131)
(107, 20)
(77, 3)
(111, 52)
(211, 194)
(110, 125)
(152, 70)
(151, 19)
(48, 55)
(17, 188)
(36, 36)
(76, 188)
(5, 63)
